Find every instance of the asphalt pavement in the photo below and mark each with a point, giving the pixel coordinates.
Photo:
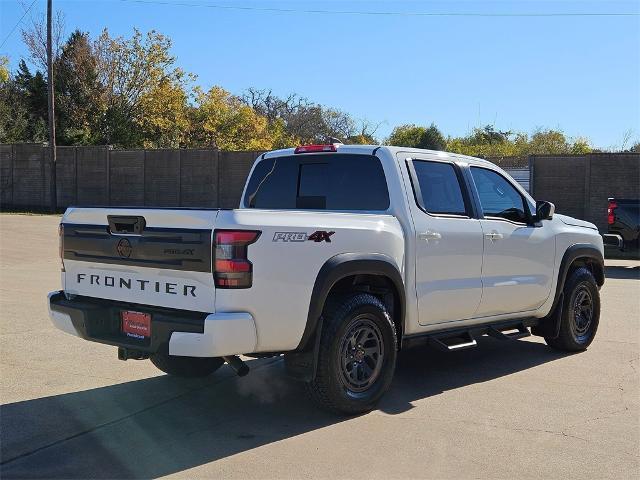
(71, 409)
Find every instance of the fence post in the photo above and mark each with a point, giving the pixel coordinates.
(144, 178)
(587, 186)
(218, 166)
(43, 173)
(13, 164)
(108, 168)
(532, 164)
(75, 175)
(179, 176)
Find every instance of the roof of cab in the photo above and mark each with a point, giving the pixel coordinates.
(369, 149)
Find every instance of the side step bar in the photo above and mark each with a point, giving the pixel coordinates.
(450, 344)
(509, 333)
(464, 338)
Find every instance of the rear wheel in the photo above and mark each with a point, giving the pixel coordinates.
(187, 367)
(580, 312)
(357, 356)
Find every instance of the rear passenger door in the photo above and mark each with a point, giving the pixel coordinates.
(448, 243)
(519, 256)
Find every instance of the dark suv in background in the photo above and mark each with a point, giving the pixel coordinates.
(623, 233)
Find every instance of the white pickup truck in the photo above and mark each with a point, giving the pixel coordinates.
(338, 257)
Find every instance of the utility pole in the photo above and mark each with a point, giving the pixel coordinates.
(52, 118)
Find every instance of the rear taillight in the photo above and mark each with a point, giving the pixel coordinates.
(611, 216)
(61, 245)
(231, 268)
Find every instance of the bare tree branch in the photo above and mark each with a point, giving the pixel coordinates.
(35, 37)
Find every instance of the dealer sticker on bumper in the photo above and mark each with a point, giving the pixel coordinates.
(136, 324)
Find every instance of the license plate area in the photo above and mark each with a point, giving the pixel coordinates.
(136, 324)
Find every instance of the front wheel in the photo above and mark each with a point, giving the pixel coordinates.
(357, 356)
(580, 312)
(187, 367)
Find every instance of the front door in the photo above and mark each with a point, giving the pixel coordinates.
(448, 243)
(518, 257)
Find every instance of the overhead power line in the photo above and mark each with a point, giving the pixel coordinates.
(17, 23)
(394, 13)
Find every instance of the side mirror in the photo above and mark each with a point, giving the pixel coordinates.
(544, 210)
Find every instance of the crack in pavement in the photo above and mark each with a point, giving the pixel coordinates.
(561, 433)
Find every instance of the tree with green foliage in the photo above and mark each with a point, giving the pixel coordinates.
(414, 136)
(489, 136)
(433, 139)
(580, 146)
(13, 111)
(491, 143)
(407, 135)
(78, 93)
(14, 114)
(486, 142)
(23, 107)
(548, 142)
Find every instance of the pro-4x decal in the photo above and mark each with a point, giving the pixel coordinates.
(321, 236)
(317, 236)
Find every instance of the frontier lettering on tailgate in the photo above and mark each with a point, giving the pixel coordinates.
(137, 284)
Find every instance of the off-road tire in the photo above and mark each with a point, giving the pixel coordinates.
(186, 367)
(576, 334)
(360, 314)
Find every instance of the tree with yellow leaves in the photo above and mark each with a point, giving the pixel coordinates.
(222, 120)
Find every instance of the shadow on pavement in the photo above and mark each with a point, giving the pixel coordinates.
(631, 272)
(164, 425)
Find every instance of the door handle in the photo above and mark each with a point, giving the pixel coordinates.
(429, 235)
(493, 236)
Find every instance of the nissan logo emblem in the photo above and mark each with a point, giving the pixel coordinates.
(124, 248)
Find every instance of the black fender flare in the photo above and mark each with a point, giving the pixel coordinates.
(550, 325)
(340, 266)
(576, 252)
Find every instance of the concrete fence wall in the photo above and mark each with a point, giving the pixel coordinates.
(101, 176)
(579, 185)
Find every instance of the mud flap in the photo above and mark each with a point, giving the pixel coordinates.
(302, 365)
(549, 326)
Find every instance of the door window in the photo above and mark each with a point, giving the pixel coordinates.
(438, 190)
(498, 198)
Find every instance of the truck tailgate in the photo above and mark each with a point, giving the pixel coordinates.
(149, 256)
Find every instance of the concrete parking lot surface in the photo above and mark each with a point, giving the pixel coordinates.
(516, 409)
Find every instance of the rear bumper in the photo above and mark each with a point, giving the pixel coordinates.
(613, 240)
(190, 334)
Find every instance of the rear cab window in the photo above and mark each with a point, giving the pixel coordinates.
(438, 188)
(346, 182)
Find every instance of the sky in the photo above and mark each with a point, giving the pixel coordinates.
(554, 69)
